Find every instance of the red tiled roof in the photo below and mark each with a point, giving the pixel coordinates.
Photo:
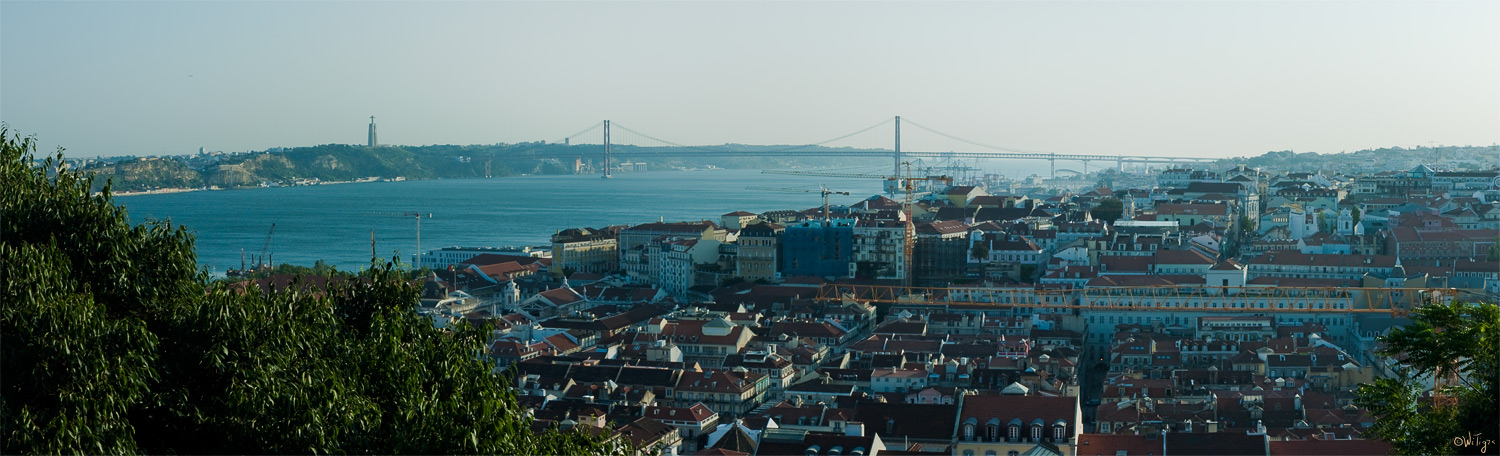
(495, 258)
(676, 227)
(698, 412)
(1182, 257)
(1114, 444)
(1286, 258)
(1227, 265)
(1025, 408)
(942, 227)
(718, 381)
(1299, 282)
(1119, 263)
(1143, 280)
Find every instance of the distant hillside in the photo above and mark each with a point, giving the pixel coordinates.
(1373, 160)
(148, 173)
(337, 162)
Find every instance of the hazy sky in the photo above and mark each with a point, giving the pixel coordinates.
(1161, 78)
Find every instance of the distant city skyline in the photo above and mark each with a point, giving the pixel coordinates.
(1214, 79)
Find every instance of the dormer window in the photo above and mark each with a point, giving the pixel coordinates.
(1015, 433)
(969, 432)
(1036, 433)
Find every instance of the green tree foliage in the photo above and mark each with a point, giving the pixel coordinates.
(319, 268)
(1461, 337)
(113, 342)
(1108, 210)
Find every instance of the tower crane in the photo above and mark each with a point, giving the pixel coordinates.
(824, 190)
(265, 249)
(893, 184)
(890, 181)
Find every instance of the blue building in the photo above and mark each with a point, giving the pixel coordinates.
(818, 248)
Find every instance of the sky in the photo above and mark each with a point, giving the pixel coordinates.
(1200, 79)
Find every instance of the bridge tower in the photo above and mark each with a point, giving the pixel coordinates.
(606, 150)
(896, 171)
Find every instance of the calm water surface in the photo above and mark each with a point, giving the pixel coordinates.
(333, 222)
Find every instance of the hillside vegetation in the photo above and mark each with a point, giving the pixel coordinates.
(113, 342)
(340, 162)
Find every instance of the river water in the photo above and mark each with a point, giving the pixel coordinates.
(334, 222)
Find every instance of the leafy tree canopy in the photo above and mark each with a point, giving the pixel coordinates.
(1461, 339)
(111, 341)
(1108, 210)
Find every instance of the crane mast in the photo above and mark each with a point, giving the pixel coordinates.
(265, 250)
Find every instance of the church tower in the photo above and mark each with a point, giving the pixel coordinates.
(1346, 222)
(372, 132)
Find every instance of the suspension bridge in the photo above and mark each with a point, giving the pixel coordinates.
(856, 144)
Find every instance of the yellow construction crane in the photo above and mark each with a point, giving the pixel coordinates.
(893, 184)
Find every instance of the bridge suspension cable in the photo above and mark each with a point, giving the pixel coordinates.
(585, 131)
(973, 143)
(872, 127)
(766, 151)
(663, 141)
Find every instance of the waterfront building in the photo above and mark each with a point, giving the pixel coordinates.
(737, 220)
(452, 256)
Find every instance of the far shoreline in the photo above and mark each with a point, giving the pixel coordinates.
(170, 190)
